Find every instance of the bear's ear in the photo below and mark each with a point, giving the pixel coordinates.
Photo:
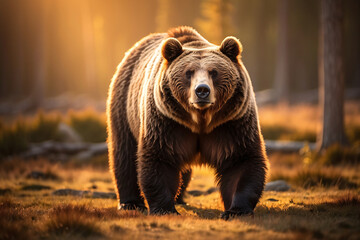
(231, 47)
(171, 49)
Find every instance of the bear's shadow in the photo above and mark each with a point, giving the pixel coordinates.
(203, 213)
(197, 193)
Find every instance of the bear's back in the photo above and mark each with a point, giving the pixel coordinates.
(125, 76)
(147, 63)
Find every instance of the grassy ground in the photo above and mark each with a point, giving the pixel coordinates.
(323, 202)
(28, 209)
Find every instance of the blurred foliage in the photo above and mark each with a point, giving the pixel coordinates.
(308, 178)
(307, 155)
(338, 154)
(44, 127)
(308, 169)
(12, 140)
(97, 162)
(283, 132)
(16, 138)
(334, 155)
(90, 125)
(274, 132)
(353, 133)
(279, 132)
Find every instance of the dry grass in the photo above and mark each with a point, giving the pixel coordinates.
(304, 173)
(301, 117)
(69, 220)
(315, 212)
(13, 222)
(323, 202)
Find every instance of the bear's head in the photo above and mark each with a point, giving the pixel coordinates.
(202, 87)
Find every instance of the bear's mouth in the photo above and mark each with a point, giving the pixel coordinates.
(202, 104)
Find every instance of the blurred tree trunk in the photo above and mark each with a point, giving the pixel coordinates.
(162, 16)
(5, 20)
(259, 60)
(226, 13)
(19, 53)
(89, 49)
(282, 61)
(331, 74)
(215, 22)
(41, 48)
(209, 24)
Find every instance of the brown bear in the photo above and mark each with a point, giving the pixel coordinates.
(177, 100)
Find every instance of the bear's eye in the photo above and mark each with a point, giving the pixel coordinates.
(213, 73)
(189, 74)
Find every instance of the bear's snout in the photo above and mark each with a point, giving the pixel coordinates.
(202, 91)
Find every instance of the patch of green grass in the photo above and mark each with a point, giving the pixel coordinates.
(89, 125)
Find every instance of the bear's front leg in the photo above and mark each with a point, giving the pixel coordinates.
(241, 186)
(158, 180)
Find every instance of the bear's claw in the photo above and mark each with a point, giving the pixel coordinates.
(229, 214)
(132, 206)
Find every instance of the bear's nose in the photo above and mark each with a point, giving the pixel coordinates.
(202, 91)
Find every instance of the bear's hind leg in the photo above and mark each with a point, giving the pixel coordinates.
(122, 159)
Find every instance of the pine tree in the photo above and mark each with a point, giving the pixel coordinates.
(331, 74)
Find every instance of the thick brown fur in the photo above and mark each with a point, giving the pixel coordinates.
(159, 127)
